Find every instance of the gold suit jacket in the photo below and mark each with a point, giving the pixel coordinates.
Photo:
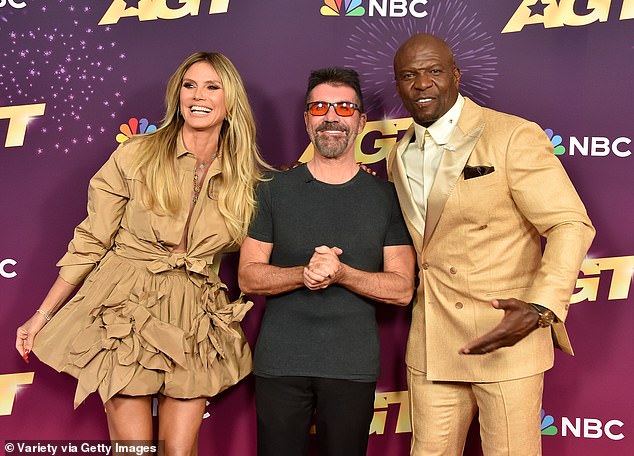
(482, 240)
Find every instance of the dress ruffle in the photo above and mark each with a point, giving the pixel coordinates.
(215, 321)
(163, 328)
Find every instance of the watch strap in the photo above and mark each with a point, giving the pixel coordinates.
(546, 316)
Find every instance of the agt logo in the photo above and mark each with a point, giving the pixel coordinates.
(620, 269)
(6, 268)
(400, 404)
(12, 3)
(382, 8)
(587, 428)
(560, 13)
(151, 10)
(9, 386)
(19, 117)
(374, 142)
(389, 404)
(593, 146)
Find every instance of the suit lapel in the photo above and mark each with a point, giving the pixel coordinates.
(455, 155)
(397, 174)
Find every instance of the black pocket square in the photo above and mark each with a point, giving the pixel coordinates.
(476, 171)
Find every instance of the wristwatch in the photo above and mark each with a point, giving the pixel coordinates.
(546, 316)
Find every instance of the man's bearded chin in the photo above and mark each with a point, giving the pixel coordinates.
(330, 147)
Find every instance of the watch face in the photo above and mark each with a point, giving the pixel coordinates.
(547, 318)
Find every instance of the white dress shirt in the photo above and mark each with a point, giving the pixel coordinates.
(421, 158)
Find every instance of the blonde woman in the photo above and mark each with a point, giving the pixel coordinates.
(152, 316)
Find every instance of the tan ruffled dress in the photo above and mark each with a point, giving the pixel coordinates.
(147, 320)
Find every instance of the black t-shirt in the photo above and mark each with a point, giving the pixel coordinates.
(330, 333)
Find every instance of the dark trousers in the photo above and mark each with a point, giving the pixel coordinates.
(285, 406)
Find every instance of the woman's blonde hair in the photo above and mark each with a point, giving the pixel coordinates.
(242, 165)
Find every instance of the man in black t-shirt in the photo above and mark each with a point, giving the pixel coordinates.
(328, 241)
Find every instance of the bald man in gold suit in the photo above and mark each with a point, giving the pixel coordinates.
(479, 190)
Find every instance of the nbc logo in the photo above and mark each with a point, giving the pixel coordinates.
(593, 146)
(342, 7)
(7, 268)
(587, 428)
(556, 140)
(547, 424)
(12, 3)
(134, 127)
(382, 8)
(345, 7)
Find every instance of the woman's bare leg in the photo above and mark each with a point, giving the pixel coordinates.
(130, 420)
(179, 423)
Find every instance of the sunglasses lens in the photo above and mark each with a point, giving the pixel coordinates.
(344, 109)
(318, 108)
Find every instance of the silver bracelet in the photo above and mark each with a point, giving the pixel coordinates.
(46, 314)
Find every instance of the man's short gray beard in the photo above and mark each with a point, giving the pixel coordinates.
(330, 150)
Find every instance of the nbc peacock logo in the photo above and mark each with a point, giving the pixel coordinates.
(134, 127)
(548, 427)
(342, 8)
(556, 140)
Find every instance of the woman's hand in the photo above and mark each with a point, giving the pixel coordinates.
(26, 334)
(57, 295)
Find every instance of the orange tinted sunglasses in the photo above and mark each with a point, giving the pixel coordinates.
(342, 108)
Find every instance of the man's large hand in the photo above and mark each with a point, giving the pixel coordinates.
(520, 319)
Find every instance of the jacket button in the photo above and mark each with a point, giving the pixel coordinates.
(453, 270)
(425, 266)
(459, 305)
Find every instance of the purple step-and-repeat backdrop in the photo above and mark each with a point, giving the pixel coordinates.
(77, 78)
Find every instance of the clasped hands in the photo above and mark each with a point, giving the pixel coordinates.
(324, 268)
